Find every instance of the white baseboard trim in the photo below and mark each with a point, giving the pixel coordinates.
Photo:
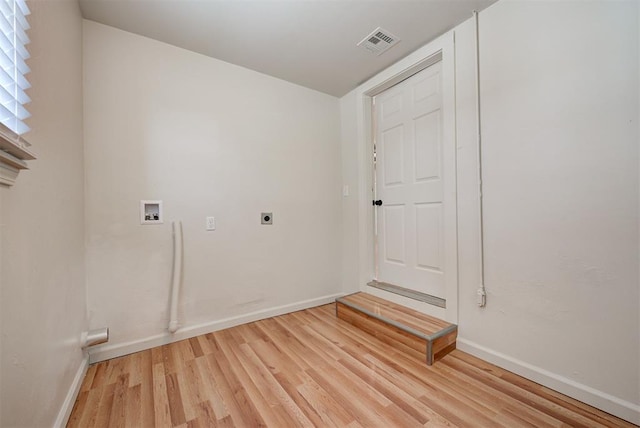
(72, 395)
(106, 352)
(601, 400)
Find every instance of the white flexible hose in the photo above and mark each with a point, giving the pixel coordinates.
(177, 275)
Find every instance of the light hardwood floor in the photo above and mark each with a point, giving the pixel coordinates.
(311, 369)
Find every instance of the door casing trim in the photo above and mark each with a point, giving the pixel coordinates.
(442, 49)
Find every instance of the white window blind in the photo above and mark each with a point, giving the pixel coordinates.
(13, 67)
(14, 150)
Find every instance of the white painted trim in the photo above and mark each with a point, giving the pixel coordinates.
(106, 352)
(366, 268)
(8, 174)
(12, 143)
(403, 68)
(72, 395)
(591, 396)
(14, 151)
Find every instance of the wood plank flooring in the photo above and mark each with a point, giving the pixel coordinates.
(309, 368)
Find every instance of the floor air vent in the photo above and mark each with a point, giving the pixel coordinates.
(379, 41)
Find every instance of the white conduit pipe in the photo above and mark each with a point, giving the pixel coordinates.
(95, 337)
(177, 275)
(482, 294)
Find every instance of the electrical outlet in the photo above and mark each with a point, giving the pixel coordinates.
(266, 218)
(211, 223)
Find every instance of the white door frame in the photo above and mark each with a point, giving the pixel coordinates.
(394, 74)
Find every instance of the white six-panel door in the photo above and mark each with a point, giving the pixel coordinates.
(415, 179)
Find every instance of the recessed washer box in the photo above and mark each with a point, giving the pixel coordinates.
(151, 212)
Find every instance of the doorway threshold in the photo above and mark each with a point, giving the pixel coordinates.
(411, 294)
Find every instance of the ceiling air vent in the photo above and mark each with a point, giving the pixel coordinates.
(379, 41)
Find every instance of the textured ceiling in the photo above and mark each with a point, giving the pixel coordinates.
(310, 43)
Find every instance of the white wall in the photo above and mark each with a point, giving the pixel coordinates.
(209, 139)
(560, 156)
(42, 286)
(560, 182)
(350, 208)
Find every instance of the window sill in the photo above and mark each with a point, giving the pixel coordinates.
(14, 152)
